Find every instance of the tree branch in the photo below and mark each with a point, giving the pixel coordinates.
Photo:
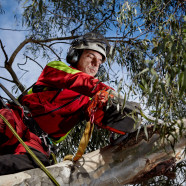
(61, 15)
(34, 61)
(126, 163)
(55, 39)
(73, 31)
(2, 47)
(18, 30)
(8, 63)
(17, 50)
(57, 43)
(105, 18)
(30, 40)
(7, 79)
(50, 49)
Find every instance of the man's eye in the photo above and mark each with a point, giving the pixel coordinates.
(90, 56)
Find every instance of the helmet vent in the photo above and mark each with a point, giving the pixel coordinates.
(101, 46)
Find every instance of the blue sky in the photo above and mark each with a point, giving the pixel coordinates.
(11, 39)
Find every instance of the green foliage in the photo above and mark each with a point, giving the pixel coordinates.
(164, 81)
(66, 17)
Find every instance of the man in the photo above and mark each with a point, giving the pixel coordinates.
(56, 103)
(59, 99)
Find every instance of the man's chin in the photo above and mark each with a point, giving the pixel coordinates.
(91, 74)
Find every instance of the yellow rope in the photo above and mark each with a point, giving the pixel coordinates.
(83, 143)
(29, 151)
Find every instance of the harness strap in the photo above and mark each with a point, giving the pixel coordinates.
(30, 151)
(83, 143)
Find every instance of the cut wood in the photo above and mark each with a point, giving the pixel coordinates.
(128, 162)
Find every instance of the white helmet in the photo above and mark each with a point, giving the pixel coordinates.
(91, 41)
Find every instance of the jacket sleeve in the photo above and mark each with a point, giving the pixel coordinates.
(59, 75)
(12, 116)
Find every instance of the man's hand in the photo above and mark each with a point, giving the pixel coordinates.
(109, 110)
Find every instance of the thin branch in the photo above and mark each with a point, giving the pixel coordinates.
(55, 39)
(23, 73)
(34, 61)
(30, 40)
(7, 79)
(2, 47)
(105, 19)
(15, 78)
(61, 15)
(9, 29)
(73, 31)
(58, 43)
(50, 49)
(19, 64)
(102, 22)
(14, 54)
(153, 21)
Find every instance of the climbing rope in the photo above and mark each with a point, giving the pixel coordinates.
(30, 151)
(83, 143)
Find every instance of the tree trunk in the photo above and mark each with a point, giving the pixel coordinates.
(129, 162)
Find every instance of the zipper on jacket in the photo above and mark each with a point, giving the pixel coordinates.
(62, 106)
(56, 95)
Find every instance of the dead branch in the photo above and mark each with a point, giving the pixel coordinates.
(43, 45)
(8, 62)
(27, 57)
(2, 47)
(6, 79)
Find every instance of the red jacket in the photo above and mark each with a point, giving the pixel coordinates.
(58, 112)
(10, 142)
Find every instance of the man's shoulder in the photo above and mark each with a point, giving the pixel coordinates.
(57, 63)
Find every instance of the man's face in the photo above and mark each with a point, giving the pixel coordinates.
(89, 62)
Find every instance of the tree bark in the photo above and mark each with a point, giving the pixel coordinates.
(129, 162)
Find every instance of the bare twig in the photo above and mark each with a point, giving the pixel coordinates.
(58, 43)
(102, 22)
(55, 39)
(50, 49)
(14, 54)
(73, 31)
(34, 61)
(30, 40)
(8, 63)
(7, 79)
(10, 29)
(21, 64)
(2, 47)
